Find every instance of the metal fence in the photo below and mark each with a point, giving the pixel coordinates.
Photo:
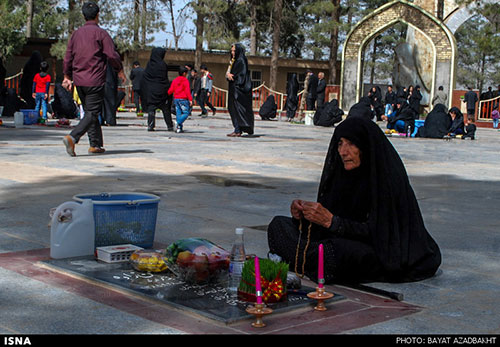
(486, 107)
(218, 97)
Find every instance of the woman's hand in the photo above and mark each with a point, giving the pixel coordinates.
(316, 213)
(296, 209)
(230, 76)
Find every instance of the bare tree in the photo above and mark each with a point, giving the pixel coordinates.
(177, 23)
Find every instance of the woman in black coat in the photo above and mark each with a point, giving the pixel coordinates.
(154, 88)
(292, 100)
(414, 100)
(240, 92)
(366, 216)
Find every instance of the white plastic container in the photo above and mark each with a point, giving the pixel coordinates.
(309, 117)
(19, 119)
(74, 236)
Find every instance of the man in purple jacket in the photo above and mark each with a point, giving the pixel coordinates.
(89, 50)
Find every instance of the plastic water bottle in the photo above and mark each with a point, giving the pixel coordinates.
(237, 259)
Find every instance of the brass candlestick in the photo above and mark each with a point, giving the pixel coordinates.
(258, 310)
(320, 295)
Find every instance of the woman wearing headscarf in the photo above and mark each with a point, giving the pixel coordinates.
(268, 109)
(437, 123)
(414, 100)
(375, 96)
(457, 122)
(155, 85)
(328, 114)
(363, 108)
(292, 100)
(366, 216)
(63, 105)
(403, 118)
(239, 92)
(31, 68)
(110, 101)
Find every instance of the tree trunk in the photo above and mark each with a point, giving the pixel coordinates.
(374, 58)
(278, 8)
(143, 23)
(137, 17)
(199, 36)
(71, 17)
(334, 35)
(29, 21)
(176, 38)
(253, 27)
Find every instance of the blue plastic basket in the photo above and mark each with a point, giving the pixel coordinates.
(30, 117)
(122, 218)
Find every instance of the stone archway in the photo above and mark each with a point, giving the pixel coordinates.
(441, 38)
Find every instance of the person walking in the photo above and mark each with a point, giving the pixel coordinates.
(183, 99)
(240, 92)
(155, 84)
(89, 50)
(136, 78)
(206, 90)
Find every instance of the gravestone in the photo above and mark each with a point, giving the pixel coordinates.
(209, 300)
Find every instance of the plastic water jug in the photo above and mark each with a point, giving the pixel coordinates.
(72, 231)
(19, 119)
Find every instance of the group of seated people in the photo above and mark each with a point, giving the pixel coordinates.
(327, 115)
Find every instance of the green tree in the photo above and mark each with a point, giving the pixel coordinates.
(12, 37)
(478, 54)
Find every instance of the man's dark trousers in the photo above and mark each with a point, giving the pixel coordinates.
(92, 100)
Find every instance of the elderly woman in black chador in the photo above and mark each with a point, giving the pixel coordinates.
(366, 216)
(239, 92)
(268, 109)
(437, 123)
(155, 86)
(363, 108)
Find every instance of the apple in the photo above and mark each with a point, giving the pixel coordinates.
(185, 258)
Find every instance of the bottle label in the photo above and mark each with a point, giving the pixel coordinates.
(235, 268)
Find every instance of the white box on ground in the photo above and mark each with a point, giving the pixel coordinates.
(116, 253)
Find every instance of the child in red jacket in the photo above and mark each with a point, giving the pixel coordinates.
(182, 97)
(41, 83)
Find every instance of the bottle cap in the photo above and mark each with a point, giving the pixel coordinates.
(239, 231)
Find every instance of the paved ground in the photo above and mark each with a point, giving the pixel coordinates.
(209, 184)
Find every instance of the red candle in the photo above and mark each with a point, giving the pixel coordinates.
(258, 288)
(321, 279)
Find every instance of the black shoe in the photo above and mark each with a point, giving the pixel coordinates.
(213, 111)
(170, 129)
(151, 129)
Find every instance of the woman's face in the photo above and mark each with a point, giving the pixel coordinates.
(349, 153)
(233, 50)
(453, 115)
